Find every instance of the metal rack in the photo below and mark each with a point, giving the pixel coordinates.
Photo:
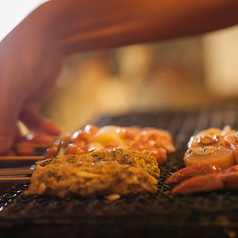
(205, 214)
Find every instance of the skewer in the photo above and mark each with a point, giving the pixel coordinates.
(10, 174)
(33, 145)
(82, 174)
(16, 172)
(22, 157)
(15, 180)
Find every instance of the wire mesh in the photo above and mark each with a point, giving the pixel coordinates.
(209, 214)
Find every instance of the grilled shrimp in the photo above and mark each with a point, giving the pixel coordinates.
(211, 163)
(224, 180)
(193, 171)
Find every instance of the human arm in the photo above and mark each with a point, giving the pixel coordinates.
(31, 56)
(86, 25)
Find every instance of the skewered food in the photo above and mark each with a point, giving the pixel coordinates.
(101, 172)
(221, 156)
(211, 161)
(213, 180)
(103, 161)
(128, 156)
(213, 146)
(30, 144)
(153, 141)
(193, 171)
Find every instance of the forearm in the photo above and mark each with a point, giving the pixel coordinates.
(91, 24)
(80, 25)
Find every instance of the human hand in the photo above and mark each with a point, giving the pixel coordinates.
(29, 66)
(30, 58)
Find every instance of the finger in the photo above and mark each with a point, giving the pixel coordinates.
(7, 134)
(36, 122)
(26, 151)
(9, 112)
(8, 130)
(50, 127)
(40, 138)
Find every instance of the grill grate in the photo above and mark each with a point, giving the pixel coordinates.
(208, 214)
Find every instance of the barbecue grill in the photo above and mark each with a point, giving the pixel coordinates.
(208, 214)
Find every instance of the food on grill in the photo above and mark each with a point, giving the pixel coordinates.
(101, 172)
(128, 156)
(30, 144)
(224, 180)
(193, 171)
(221, 156)
(156, 142)
(213, 146)
(232, 140)
(211, 161)
(101, 179)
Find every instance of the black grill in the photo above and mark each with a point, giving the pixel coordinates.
(211, 214)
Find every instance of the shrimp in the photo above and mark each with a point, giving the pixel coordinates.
(224, 180)
(193, 171)
(211, 162)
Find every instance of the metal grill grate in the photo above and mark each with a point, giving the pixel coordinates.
(208, 214)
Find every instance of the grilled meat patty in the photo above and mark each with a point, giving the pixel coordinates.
(101, 172)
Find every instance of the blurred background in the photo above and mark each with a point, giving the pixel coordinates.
(179, 74)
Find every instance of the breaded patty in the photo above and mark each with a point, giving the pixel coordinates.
(101, 179)
(101, 172)
(128, 156)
